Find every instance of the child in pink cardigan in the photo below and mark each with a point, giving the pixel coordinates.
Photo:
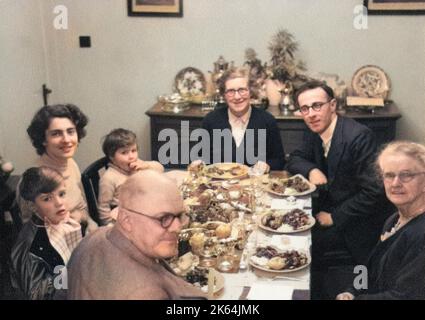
(120, 146)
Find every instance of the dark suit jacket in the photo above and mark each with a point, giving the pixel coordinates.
(354, 197)
(260, 119)
(396, 268)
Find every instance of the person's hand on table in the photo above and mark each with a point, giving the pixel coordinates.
(324, 219)
(262, 167)
(317, 177)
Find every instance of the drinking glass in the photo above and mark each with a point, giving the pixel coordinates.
(257, 191)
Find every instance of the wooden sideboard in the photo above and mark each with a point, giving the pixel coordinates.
(382, 121)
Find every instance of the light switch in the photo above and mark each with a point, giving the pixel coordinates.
(85, 42)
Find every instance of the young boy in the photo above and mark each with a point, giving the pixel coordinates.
(45, 243)
(120, 146)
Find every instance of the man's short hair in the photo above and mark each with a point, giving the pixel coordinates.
(310, 85)
(39, 180)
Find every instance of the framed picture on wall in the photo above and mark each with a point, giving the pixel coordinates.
(395, 6)
(155, 8)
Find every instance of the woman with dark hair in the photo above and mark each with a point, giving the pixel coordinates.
(43, 118)
(55, 132)
(47, 240)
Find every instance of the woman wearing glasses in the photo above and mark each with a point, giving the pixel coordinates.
(241, 125)
(396, 265)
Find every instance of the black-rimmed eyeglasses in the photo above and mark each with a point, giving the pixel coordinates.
(315, 106)
(232, 92)
(166, 220)
(404, 176)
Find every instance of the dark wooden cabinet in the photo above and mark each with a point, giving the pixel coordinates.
(382, 121)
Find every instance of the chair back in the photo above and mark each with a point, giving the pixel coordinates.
(90, 180)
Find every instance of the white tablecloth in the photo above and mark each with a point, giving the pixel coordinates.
(262, 286)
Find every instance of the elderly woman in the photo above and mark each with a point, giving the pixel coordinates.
(396, 267)
(243, 126)
(55, 132)
(46, 242)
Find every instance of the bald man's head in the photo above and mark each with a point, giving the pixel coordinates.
(143, 186)
(145, 198)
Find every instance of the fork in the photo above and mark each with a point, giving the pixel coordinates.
(286, 278)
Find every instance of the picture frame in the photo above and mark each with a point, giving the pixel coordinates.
(395, 7)
(155, 8)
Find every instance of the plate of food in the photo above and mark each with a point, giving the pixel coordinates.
(184, 264)
(226, 170)
(271, 259)
(284, 221)
(199, 277)
(210, 233)
(294, 186)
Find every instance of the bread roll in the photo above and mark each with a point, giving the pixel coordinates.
(276, 263)
(223, 231)
(197, 240)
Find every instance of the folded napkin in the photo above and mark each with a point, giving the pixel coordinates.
(290, 203)
(294, 242)
(265, 290)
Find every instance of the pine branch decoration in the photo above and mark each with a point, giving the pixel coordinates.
(283, 63)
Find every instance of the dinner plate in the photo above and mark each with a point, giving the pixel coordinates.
(193, 229)
(190, 83)
(267, 269)
(290, 191)
(210, 224)
(308, 226)
(226, 166)
(371, 81)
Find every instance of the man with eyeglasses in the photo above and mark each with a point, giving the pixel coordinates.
(241, 126)
(126, 261)
(337, 154)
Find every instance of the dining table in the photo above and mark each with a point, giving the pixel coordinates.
(247, 281)
(251, 283)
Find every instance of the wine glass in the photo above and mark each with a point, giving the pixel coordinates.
(226, 256)
(254, 174)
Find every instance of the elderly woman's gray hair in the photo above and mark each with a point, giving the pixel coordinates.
(410, 149)
(234, 73)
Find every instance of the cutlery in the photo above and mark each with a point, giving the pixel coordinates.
(287, 278)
